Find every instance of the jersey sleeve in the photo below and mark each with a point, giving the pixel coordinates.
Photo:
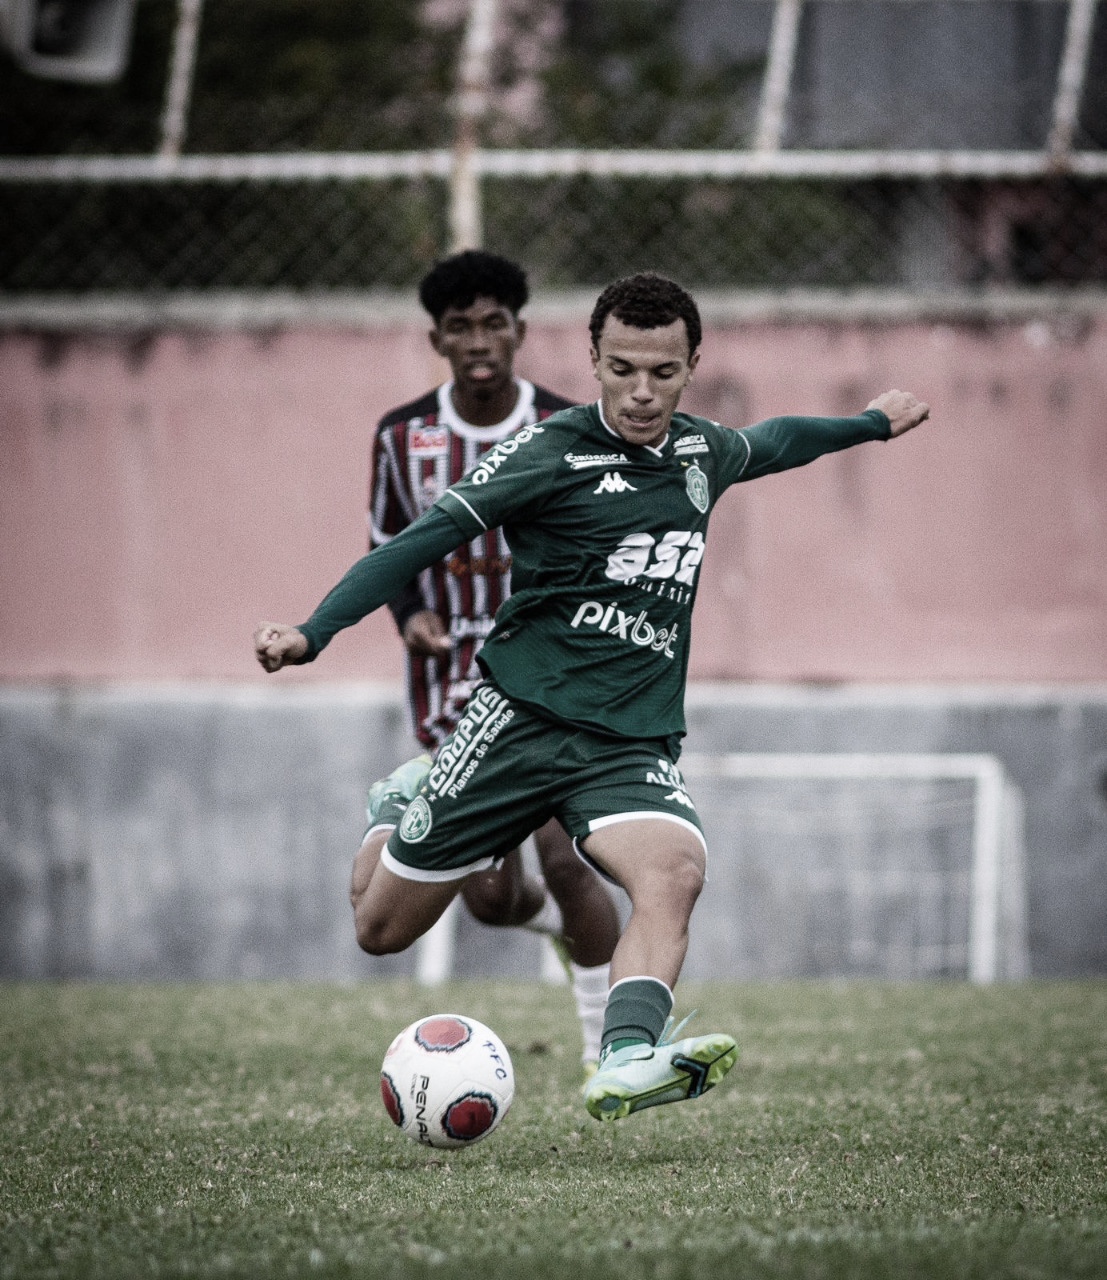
(378, 577)
(390, 512)
(779, 444)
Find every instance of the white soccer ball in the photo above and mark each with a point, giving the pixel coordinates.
(447, 1080)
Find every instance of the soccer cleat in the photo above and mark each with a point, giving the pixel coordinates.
(642, 1075)
(399, 788)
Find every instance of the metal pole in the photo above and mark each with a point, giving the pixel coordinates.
(466, 221)
(178, 94)
(778, 76)
(1070, 80)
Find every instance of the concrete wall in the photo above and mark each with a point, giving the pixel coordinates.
(186, 832)
(162, 489)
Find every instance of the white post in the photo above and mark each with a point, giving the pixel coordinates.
(434, 952)
(466, 222)
(778, 76)
(178, 94)
(1070, 79)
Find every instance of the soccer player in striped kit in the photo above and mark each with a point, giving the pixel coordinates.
(421, 449)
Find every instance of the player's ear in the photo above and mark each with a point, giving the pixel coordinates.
(595, 362)
(693, 360)
(520, 332)
(436, 340)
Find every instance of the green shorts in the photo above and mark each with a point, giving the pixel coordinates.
(505, 771)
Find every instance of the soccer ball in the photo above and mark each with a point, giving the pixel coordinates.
(447, 1081)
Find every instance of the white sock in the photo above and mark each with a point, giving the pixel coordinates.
(590, 987)
(547, 919)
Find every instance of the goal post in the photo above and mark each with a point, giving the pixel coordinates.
(996, 946)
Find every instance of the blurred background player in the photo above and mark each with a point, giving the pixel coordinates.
(420, 449)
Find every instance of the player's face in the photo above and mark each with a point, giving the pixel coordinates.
(480, 342)
(642, 374)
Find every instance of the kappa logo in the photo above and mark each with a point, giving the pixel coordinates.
(613, 482)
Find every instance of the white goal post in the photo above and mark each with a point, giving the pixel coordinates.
(997, 876)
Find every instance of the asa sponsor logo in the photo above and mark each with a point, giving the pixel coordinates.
(636, 629)
(676, 555)
(494, 459)
(613, 482)
(579, 461)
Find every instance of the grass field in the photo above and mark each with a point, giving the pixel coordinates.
(938, 1131)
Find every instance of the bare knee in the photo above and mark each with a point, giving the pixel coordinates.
(567, 877)
(507, 896)
(377, 938)
(490, 897)
(675, 886)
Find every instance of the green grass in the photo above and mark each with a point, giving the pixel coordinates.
(938, 1131)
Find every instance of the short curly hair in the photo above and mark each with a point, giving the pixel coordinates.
(647, 301)
(458, 281)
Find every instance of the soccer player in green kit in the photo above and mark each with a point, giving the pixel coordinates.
(605, 508)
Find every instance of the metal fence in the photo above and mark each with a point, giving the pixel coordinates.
(919, 144)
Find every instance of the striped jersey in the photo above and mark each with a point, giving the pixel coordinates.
(419, 451)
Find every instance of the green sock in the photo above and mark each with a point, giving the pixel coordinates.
(636, 1012)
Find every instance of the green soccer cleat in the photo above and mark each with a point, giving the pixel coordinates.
(398, 789)
(643, 1075)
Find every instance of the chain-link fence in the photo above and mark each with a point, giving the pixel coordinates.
(914, 143)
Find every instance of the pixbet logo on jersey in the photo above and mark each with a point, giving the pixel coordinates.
(636, 629)
(494, 458)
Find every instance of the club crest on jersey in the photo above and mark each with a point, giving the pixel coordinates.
(416, 822)
(613, 482)
(698, 492)
(428, 442)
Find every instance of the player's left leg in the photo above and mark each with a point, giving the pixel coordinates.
(661, 864)
(585, 933)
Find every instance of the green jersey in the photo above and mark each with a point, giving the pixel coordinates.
(607, 539)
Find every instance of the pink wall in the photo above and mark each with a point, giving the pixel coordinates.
(159, 495)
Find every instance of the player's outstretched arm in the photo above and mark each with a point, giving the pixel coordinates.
(278, 645)
(902, 409)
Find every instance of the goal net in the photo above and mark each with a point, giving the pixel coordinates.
(889, 866)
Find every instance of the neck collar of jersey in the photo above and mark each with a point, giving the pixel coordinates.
(656, 449)
(448, 416)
